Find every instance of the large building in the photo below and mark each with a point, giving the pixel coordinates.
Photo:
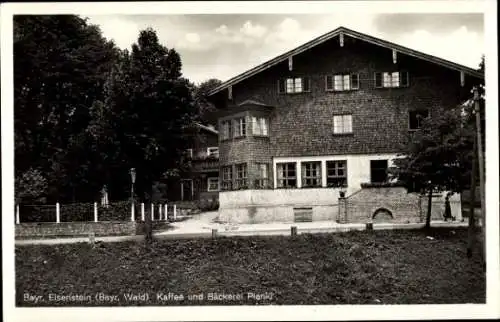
(323, 118)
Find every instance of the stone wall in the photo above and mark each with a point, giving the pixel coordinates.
(277, 205)
(65, 229)
(404, 207)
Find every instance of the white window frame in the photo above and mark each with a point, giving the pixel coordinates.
(260, 126)
(227, 176)
(393, 79)
(262, 178)
(342, 124)
(336, 168)
(240, 127)
(226, 129)
(241, 181)
(209, 179)
(213, 151)
(305, 177)
(279, 175)
(342, 82)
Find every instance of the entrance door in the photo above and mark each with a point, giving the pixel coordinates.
(187, 190)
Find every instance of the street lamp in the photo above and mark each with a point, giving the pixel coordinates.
(132, 177)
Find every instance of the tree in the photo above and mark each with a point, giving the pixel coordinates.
(206, 110)
(438, 156)
(151, 106)
(60, 66)
(31, 187)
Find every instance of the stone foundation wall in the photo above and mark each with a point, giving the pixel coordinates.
(108, 228)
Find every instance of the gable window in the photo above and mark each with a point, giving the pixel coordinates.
(336, 173)
(227, 178)
(241, 176)
(286, 175)
(378, 171)
(342, 82)
(260, 126)
(240, 127)
(262, 179)
(416, 118)
(392, 79)
(342, 124)
(294, 85)
(226, 130)
(213, 184)
(311, 174)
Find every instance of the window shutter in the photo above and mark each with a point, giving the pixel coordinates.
(281, 86)
(329, 82)
(378, 80)
(355, 81)
(306, 84)
(405, 79)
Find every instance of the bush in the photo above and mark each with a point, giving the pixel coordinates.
(211, 205)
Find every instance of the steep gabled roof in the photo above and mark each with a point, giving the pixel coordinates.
(206, 128)
(353, 34)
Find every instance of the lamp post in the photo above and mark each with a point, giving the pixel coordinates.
(132, 177)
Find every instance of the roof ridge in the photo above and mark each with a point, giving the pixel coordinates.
(355, 34)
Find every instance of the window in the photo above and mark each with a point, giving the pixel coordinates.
(262, 178)
(294, 85)
(240, 127)
(416, 118)
(342, 124)
(286, 175)
(213, 152)
(311, 174)
(226, 130)
(260, 126)
(241, 176)
(227, 178)
(189, 153)
(342, 82)
(336, 173)
(391, 79)
(378, 170)
(213, 184)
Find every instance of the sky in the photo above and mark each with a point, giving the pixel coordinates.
(225, 45)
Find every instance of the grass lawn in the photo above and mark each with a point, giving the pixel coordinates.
(378, 267)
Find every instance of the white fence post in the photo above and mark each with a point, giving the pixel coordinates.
(152, 212)
(18, 218)
(132, 212)
(95, 211)
(58, 213)
(175, 212)
(166, 212)
(142, 211)
(159, 211)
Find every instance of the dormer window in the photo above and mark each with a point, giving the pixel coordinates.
(293, 85)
